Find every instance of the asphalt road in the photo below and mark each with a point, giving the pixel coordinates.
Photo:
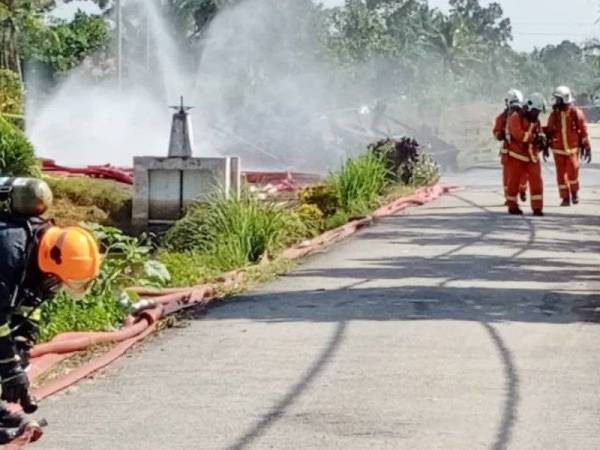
(454, 326)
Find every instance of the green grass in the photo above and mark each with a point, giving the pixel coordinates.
(93, 313)
(232, 233)
(76, 197)
(336, 220)
(187, 268)
(360, 183)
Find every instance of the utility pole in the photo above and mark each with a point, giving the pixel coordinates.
(148, 39)
(119, 21)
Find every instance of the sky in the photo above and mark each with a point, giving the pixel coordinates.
(537, 23)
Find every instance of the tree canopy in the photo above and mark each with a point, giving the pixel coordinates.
(393, 47)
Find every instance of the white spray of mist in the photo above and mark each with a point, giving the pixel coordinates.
(260, 91)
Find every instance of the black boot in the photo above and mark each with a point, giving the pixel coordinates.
(538, 213)
(575, 198)
(9, 419)
(515, 211)
(34, 428)
(12, 424)
(523, 196)
(566, 202)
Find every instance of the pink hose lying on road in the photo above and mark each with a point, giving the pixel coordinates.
(91, 339)
(69, 379)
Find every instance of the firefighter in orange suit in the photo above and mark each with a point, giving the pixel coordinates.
(568, 138)
(513, 101)
(526, 143)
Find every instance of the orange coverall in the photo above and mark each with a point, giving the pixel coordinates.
(523, 158)
(567, 133)
(501, 134)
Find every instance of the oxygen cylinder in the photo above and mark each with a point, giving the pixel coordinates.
(24, 196)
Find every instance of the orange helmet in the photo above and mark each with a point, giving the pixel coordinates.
(72, 255)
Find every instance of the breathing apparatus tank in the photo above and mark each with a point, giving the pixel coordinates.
(26, 197)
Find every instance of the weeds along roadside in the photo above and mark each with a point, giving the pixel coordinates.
(225, 234)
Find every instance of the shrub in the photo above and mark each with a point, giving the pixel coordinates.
(360, 182)
(11, 92)
(312, 218)
(399, 156)
(236, 232)
(17, 156)
(189, 233)
(241, 232)
(323, 196)
(424, 171)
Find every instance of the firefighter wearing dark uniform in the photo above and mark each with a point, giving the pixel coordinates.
(36, 260)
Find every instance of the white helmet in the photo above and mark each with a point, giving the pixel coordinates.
(537, 101)
(514, 97)
(563, 93)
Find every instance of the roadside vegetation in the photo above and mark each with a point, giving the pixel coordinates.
(249, 233)
(82, 199)
(17, 156)
(127, 261)
(225, 234)
(217, 236)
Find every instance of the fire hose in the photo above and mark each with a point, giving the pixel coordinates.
(161, 303)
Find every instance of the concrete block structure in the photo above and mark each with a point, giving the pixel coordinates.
(165, 186)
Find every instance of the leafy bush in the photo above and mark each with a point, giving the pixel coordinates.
(312, 218)
(126, 262)
(11, 93)
(17, 156)
(323, 196)
(189, 233)
(424, 171)
(63, 45)
(360, 182)
(399, 156)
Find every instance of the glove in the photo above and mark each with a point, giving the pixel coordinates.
(586, 155)
(15, 386)
(23, 347)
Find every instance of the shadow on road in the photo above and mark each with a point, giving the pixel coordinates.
(509, 415)
(279, 409)
(490, 268)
